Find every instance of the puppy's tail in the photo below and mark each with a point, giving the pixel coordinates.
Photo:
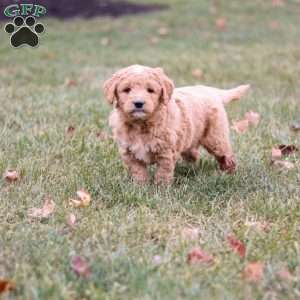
(235, 93)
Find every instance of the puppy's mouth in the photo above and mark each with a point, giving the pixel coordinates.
(138, 113)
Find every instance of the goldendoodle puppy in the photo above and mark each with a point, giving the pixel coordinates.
(155, 123)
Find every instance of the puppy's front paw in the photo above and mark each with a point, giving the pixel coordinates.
(163, 179)
(140, 178)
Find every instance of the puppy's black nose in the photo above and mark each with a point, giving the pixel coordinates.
(138, 104)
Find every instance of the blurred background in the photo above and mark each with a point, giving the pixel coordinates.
(190, 38)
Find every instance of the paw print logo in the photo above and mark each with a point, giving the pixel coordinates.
(24, 32)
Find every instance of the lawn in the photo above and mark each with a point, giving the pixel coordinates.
(135, 239)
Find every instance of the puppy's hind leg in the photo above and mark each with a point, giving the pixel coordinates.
(217, 141)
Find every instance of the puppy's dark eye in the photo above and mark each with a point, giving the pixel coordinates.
(127, 90)
(151, 91)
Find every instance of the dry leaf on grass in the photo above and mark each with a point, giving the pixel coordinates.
(287, 149)
(49, 55)
(105, 41)
(163, 31)
(154, 40)
(285, 274)
(190, 233)
(197, 73)
(44, 212)
(80, 266)
(250, 119)
(214, 8)
(274, 25)
(254, 272)
(221, 24)
(11, 175)
(283, 164)
(71, 220)
(103, 136)
(276, 153)
(278, 3)
(240, 126)
(6, 285)
(83, 201)
(198, 256)
(157, 260)
(283, 150)
(70, 130)
(71, 82)
(236, 245)
(260, 226)
(295, 127)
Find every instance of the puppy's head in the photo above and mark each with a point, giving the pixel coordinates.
(138, 91)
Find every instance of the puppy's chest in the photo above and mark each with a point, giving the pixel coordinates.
(145, 145)
(144, 148)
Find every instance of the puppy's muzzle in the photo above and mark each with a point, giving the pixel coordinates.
(139, 109)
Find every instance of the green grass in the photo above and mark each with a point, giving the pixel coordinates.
(127, 225)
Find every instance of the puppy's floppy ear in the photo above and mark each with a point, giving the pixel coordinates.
(110, 88)
(166, 84)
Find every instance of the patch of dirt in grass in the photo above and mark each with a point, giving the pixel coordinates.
(66, 9)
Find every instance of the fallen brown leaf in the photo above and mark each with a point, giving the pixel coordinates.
(274, 25)
(236, 245)
(198, 256)
(103, 136)
(44, 212)
(163, 31)
(156, 260)
(282, 164)
(287, 149)
(71, 220)
(240, 126)
(70, 130)
(285, 274)
(276, 153)
(80, 266)
(221, 24)
(253, 118)
(83, 201)
(11, 175)
(105, 41)
(154, 40)
(50, 55)
(278, 3)
(262, 226)
(6, 285)
(197, 73)
(295, 127)
(190, 233)
(254, 272)
(71, 82)
(214, 8)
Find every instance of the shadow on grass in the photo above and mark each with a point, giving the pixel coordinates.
(197, 187)
(189, 170)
